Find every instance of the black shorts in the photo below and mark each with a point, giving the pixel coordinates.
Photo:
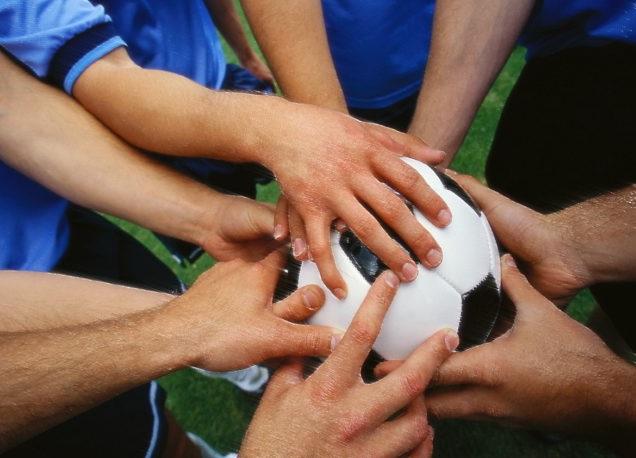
(567, 133)
(131, 425)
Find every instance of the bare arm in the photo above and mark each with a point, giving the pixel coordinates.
(227, 21)
(50, 138)
(329, 165)
(295, 43)
(49, 375)
(471, 41)
(62, 300)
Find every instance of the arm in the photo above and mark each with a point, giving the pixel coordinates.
(471, 41)
(49, 375)
(295, 43)
(50, 138)
(329, 165)
(228, 22)
(563, 252)
(61, 300)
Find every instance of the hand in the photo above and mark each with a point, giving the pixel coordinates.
(332, 166)
(334, 413)
(541, 243)
(229, 321)
(548, 371)
(257, 67)
(239, 228)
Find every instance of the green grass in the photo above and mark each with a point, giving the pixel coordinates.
(220, 413)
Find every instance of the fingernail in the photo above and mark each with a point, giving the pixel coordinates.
(335, 340)
(434, 257)
(450, 172)
(298, 248)
(340, 293)
(451, 339)
(444, 217)
(510, 261)
(278, 232)
(340, 226)
(440, 153)
(409, 271)
(391, 279)
(310, 300)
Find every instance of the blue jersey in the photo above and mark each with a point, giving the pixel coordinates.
(56, 40)
(178, 36)
(560, 24)
(379, 48)
(33, 228)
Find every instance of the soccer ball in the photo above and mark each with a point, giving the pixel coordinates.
(462, 293)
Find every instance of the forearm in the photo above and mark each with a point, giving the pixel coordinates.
(227, 21)
(470, 43)
(50, 376)
(602, 230)
(166, 113)
(35, 301)
(50, 138)
(295, 43)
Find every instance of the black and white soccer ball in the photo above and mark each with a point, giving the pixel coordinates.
(462, 293)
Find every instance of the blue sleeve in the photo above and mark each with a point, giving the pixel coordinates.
(56, 39)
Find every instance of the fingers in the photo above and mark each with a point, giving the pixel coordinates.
(459, 402)
(485, 197)
(300, 250)
(411, 379)
(404, 433)
(374, 236)
(386, 367)
(292, 339)
(517, 287)
(408, 182)
(319, 232)
(393, 211)
(301, 304)
(425, 449)
(407, 145)
(270, 268)
(345, 363)
(281, 220)
(287, 375)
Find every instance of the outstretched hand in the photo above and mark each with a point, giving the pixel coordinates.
(229, 321)
(333, 167)
(334, 413)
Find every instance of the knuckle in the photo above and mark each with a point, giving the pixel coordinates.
(417, 429)
(362, 334)
(409, 177)
(323, 392)
(351, 426)
(313, 342)
(412, 384)
(421, 240)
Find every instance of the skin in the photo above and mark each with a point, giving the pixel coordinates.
(329, 165)
(549, 371)
(228, 23)
(563, 252)
(334, 413)
(470, 43)
(51, 373)
(47, 136)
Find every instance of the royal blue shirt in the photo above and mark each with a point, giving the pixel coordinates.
(379, 48)
(556, 25)
(56, 40)
(178, 36)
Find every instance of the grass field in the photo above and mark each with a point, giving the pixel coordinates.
(220, 413)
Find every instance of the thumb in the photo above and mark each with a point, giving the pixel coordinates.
(301, 304)
(304, 340)
(519, 289)
(288, 374)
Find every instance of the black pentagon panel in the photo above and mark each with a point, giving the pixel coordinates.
(453, 187)
(288, 280)
(480, 308)
(363, 259)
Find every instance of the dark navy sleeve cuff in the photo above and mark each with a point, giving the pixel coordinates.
(80, 52)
